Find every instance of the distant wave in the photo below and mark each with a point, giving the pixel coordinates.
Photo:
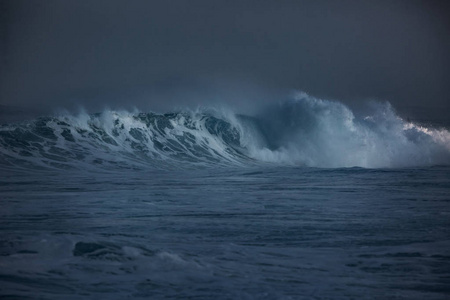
(304, 131)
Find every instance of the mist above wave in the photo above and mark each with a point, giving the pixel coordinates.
(303, 131)
(326, 133)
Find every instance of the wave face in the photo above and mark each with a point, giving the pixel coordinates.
(304, 131)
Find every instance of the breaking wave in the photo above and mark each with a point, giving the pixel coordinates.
(304, 131)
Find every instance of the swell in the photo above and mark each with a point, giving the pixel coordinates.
(304, 131)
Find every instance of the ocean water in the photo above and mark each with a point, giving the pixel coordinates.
(304, 201)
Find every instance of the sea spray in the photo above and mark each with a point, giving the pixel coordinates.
(304, 131)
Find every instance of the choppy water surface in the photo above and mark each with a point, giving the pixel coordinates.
(237, 233)
(303, 201)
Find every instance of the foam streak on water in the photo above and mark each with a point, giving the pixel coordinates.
(274, 233)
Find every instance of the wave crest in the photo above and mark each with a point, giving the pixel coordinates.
(303, 131)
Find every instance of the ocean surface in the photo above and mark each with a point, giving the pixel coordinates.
(304, 201)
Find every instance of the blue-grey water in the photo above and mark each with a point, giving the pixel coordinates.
(269, 233)
(316, 204)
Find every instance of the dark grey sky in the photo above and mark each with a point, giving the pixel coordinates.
(162, 53)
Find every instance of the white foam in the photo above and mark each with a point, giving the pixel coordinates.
(321, 133)
(305, 131)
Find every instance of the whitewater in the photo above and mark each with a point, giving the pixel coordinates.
(305, 199)
(304, 132)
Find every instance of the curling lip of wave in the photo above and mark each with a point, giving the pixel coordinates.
(121, 139)
(303, 131)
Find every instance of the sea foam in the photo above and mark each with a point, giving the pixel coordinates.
(303, 131)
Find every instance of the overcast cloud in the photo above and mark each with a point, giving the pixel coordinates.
(157, 54)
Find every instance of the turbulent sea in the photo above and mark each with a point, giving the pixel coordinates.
(306, 200)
